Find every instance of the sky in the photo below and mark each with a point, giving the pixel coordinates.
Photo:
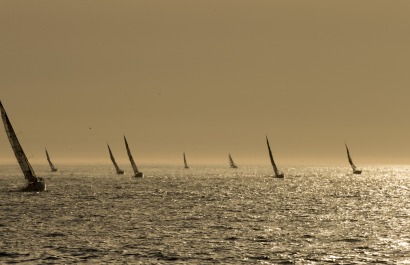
(207, 78)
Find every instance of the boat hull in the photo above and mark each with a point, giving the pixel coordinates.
(38, 186)
(139, 175)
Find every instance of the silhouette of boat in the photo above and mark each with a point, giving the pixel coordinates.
(137, 173)
(354, 168)
(275, 168)
(231, 163)
(185, 163)
(53, 168)
(34, 183)
(117, 168)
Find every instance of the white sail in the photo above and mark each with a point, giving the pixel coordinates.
(134, 166)
(117, 168)
(53, 168)
(34, 183)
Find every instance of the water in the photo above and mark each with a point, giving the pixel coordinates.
(207, 215)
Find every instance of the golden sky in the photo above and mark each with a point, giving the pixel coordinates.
(207, 78)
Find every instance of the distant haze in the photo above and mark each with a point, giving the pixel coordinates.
(208, 78)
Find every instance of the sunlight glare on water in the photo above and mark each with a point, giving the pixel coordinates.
(207, 215)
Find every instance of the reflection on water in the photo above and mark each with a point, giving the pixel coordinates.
(207, 215)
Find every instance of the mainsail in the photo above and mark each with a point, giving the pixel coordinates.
(185, 163)
(18, 150)
(231, 163)
(134, 166)
(275, 168)
(355, 170)
(117, 168)
(53, 168)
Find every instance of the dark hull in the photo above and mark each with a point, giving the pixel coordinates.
(38, 186)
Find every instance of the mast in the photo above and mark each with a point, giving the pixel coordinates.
(18, 150)
(185, 163)
(134, 166)
(117, 168)
(53, 169)
(350, 158)
(275, 169)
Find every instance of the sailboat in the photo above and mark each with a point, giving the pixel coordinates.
(137, 174)
(185, 163)
(231, 163)
(117, 168)
(355, 170)
(53, 168)
(34, 183)
(275, 168)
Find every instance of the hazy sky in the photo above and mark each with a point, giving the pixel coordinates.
(207, 78)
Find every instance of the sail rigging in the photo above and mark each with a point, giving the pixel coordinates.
(137, 173)
(231, 163)
(117, 168)
(18, 150)
(53, 168)
(185, 163)
(275, 168)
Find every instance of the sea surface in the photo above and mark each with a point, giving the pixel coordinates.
(207, 215)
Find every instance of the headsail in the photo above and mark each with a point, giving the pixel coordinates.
(185, 163)
(134, 166)
(275, 168)
(18, 150)
(117, 168)
(231, 163)
(53, 168)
